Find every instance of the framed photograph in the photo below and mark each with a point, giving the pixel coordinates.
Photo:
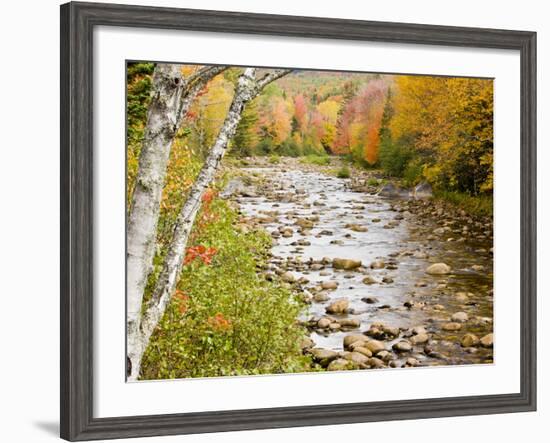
(273, 221)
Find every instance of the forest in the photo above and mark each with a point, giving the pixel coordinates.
(207, 297)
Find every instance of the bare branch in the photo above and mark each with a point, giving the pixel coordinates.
(193, 85)
(271, 77)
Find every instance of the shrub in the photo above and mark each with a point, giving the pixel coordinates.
(478, 205)
(265, 147)
(225, 318)
(394, 157)
(313, 159)
(274, 159)
(413, 172)
(343, 172)
(289, 148)
(372, 182)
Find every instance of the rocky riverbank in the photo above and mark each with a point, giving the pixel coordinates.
(389, 282)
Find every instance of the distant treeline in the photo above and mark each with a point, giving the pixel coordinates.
(438, 129)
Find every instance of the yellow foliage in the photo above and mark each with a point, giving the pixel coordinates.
(329, 110)
(448, 121)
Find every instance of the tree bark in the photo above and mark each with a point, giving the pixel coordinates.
(172, 96)
(248, 87)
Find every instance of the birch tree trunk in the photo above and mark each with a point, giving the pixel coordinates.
(248, 87)
(171, 98)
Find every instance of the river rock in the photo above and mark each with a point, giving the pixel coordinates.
(339, 306)
(340, 364)
(391, 331)
(362, 350)
(402, 346)
(306, 343)
(345, 263)
(321, 297)
(469, 340)
(385, 356)
(419, 339)
(460, 317)
(370, 300)
(289, 277)
(423, 191)
(420, 254)
(368, 280)
(451, 326)
(350, 322)
(438, 269)
(376, 331)
(323, 356)
(487, 341)
(357, 228)
(378, 264)
(375, 346)
(353, 338)
(331, 284)
(389, 190)
(304, 223)
(324, 323)
(417, 330)
(357, 357)
(375, 363)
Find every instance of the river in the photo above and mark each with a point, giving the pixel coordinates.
(395, 240)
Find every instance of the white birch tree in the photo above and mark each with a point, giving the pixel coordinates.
(171, 98)
(248, 87)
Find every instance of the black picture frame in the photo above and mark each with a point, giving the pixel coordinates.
(77, 23)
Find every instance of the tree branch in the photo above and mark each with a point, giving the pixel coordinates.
(271, 77)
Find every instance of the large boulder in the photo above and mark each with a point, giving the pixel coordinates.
(345, 263)
(388, 190)
(423, 191)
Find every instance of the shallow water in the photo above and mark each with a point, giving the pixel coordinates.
(295, 193)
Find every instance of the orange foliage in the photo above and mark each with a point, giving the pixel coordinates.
(202, 252)
(182, 300)
(219, 323)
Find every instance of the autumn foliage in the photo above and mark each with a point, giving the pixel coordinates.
(445, 126)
